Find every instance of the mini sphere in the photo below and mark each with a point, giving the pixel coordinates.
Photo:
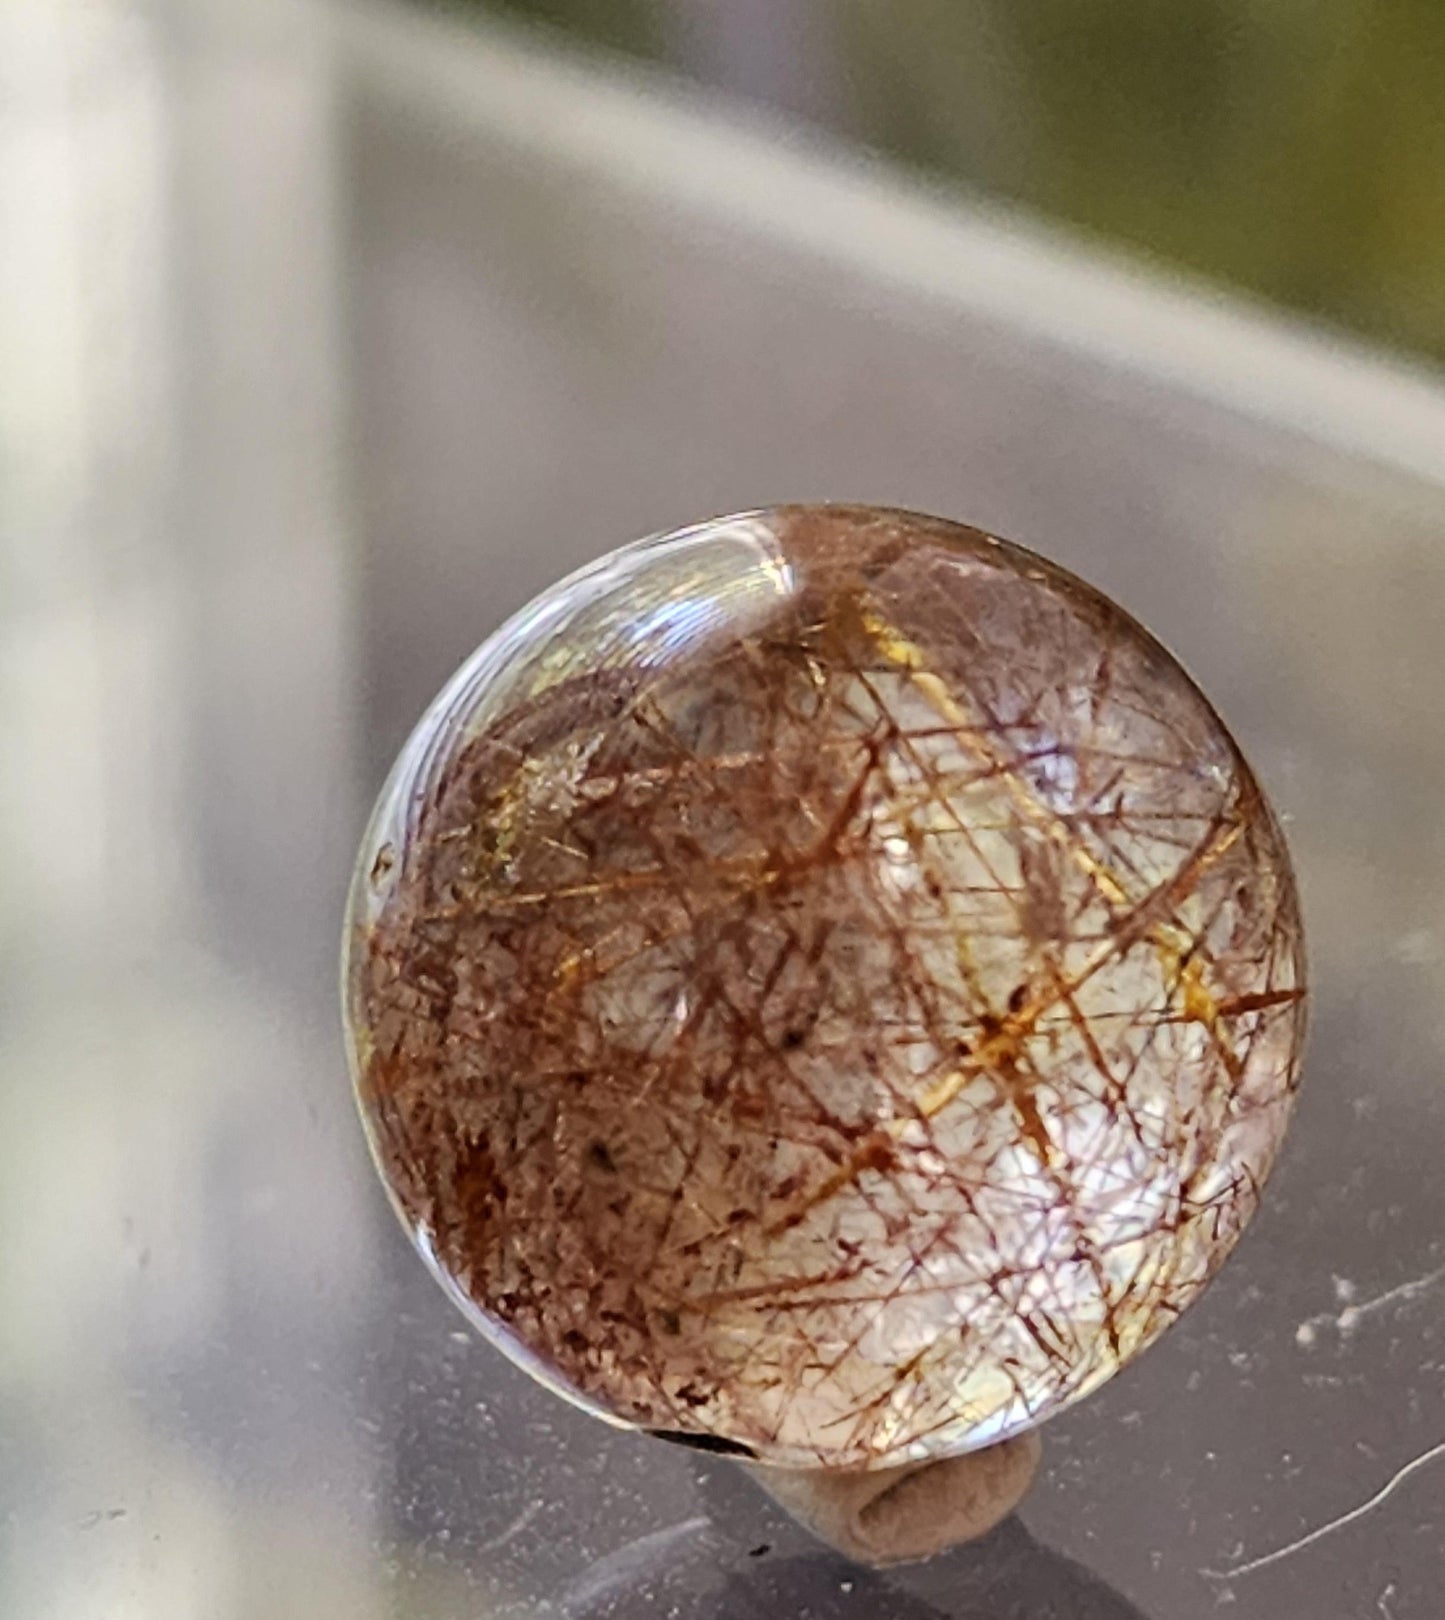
(824, 985)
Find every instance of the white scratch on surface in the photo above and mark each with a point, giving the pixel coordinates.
(631, 1562)
(1382, 1602)
(1353, 1516)
(515, 1528)
(1348, 1319)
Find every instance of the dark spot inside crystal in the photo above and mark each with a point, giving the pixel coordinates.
(600, 1155)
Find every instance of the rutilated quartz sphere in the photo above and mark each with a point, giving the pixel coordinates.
(826, 985)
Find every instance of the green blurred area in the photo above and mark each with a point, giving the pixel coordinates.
(1293, 148)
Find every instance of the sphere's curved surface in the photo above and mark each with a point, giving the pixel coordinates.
(824, 982)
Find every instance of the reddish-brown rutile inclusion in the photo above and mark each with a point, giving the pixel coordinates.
(825, 982)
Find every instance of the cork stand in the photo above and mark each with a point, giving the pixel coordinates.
(894, 1515)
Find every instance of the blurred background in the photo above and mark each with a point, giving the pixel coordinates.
(1292, 151)
(330, 333)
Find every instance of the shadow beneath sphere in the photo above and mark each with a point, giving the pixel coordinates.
(740, 1558)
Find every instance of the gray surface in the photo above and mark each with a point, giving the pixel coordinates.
(324, 344)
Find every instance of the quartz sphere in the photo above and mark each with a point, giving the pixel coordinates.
(824, 984)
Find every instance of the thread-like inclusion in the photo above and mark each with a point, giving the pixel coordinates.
(825, 983)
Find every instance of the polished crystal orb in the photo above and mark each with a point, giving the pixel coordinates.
(824, 984)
